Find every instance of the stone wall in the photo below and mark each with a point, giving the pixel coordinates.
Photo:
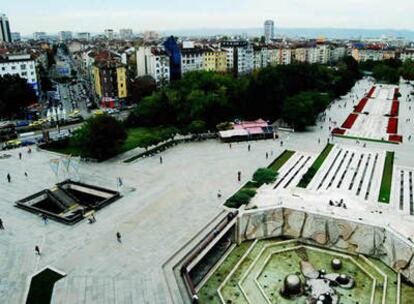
(337, 234)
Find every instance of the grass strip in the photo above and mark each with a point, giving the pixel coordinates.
(386, 182)
(366, 139)
(242, 195)
(307, 177)
(281, 160)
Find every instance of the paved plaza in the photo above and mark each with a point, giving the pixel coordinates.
(165, 205)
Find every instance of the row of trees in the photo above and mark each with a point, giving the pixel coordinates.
(212, 98)
(389, 71)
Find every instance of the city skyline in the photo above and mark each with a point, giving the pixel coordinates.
(51, 16)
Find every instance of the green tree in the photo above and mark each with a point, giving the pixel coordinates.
(196, 127)
(15, 96)
(386, 73)
(101, 137)
(302, 109)
(407, 70)
(142, 87)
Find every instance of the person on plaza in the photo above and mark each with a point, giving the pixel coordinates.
(239, 176)
(1, 224)
(37, 250)
(230, 145)
(120, 183)
(92, 219)
(319, 140)
(160, 159)
(45, 219)
(26, 175)
(281, 143)
(219, 194)
(195, 299)
(118, 237)
(248, 147)
(267, 155)
(20, 155)
(29, 150)
(8, 177)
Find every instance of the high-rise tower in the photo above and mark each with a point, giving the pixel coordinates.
(5, 34)
(269, 30)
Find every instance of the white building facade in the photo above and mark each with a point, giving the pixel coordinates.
(153, 62)
(22, 65)
(191, 60)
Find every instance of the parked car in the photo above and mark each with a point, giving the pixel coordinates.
(11, 144)
(22, 123)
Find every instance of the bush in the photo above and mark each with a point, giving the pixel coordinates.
(224, 126)
(196, 127)
(242, 197)
(264, 176)
(149, 140)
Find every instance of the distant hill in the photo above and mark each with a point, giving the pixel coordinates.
(338, 33)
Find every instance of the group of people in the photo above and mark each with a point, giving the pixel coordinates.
(20, 155)
(339, 204)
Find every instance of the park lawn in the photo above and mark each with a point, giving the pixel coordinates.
(68, 150)
(281, 160)
(386, 182)
(136, 135)
(307, 177)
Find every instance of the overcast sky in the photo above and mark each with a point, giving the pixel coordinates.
(27, 16)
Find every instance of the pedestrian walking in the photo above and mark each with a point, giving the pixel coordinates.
(37, 250)
(195, 299)
(281, 143)
(219, 194)
(160, 159)
(120, 183)
(26, 175)
(267, 155)
(92, 219)
(29, 150)
(8, 177)
(1, 225)
(230, 145)
(239, 176)
(319, 140)
(118, 237)
(45, 219)
(20, 155)
(248, 147)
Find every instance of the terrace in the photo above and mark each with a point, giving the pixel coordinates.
(375, 117)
